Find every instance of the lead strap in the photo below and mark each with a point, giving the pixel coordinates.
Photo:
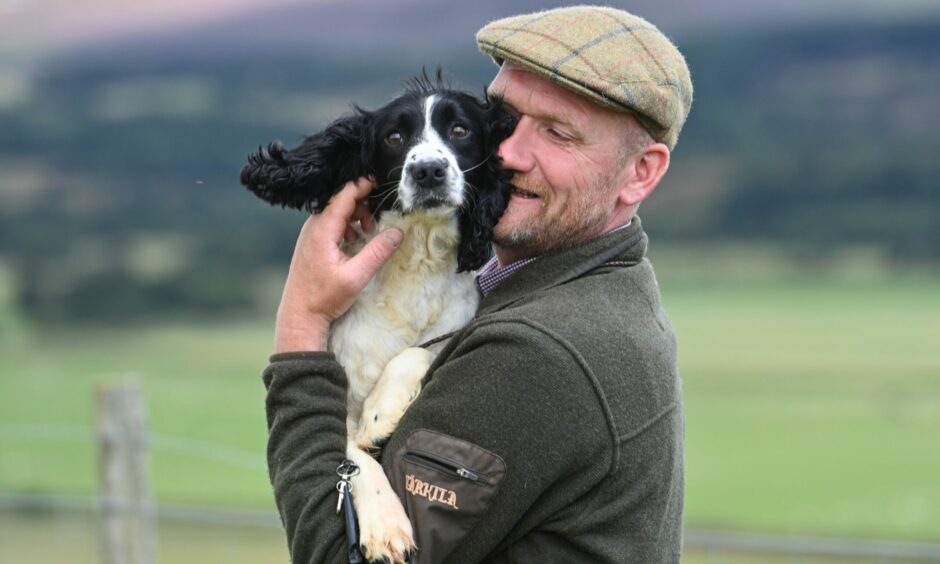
(346, 470)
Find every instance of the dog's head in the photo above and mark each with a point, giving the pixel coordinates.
(432, 147)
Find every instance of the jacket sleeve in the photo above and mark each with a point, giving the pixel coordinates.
(517, 391)
(306, 413)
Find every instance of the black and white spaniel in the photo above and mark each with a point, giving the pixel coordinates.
(433, 154)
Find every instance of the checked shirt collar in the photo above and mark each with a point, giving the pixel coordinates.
(492, 273)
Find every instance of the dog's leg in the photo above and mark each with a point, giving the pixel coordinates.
(397, 387)
(384, 528)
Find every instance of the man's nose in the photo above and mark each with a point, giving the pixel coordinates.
(516, 150)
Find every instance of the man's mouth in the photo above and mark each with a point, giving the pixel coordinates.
(524, 194)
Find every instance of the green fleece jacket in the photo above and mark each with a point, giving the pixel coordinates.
(550, 429)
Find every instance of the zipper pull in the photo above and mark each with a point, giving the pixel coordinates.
(464, 473)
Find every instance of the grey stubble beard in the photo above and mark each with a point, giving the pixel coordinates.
(532, 239)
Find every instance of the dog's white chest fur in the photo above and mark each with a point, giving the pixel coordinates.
(417, 296)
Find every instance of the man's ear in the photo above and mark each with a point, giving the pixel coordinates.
(645, 171)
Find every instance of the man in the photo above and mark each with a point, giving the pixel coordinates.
(550, 429)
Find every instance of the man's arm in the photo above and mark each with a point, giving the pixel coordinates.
(306, 387)
(306, 413)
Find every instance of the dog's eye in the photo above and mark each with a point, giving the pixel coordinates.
(459, 131)
(394, 138)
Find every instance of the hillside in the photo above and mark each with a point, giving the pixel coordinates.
(237, 26)
(119, 161)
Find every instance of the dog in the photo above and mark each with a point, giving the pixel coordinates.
(432, 153)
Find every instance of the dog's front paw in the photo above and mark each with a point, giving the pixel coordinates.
(384, 530)
(397, 387)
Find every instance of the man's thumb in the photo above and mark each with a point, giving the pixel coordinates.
(376, 253)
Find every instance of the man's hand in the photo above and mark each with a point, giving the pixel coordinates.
(323, 281)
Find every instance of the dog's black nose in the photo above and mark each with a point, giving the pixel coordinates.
(429, 173)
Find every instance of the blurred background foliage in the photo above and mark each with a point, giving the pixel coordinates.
(795, 237)
(119, 160)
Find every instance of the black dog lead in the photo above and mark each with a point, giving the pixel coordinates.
(346, 470)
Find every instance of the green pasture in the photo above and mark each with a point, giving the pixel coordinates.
(24, 539)
(810, 408)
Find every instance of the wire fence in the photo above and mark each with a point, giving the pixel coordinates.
(196, 448)
(694, 539)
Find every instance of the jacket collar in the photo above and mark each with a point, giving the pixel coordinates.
(624, 246)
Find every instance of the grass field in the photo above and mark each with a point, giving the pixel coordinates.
(810, 408)
(25, 540)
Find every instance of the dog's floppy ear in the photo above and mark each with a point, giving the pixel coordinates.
(307, 176)
(478, 218)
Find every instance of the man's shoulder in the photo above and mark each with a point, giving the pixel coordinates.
(611, 321)
(613, 301)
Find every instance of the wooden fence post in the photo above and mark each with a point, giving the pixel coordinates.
(128, 520)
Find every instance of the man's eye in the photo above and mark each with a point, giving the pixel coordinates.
(459, 132)
(394, 138)
(557, 134)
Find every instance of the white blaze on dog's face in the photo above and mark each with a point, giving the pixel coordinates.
(431, 177)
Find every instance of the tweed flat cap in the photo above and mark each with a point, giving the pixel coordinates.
(613, 57)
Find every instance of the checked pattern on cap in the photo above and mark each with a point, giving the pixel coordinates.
(617, 59)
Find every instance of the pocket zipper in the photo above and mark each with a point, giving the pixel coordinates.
(439, 463)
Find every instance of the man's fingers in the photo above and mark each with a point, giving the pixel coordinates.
(363, 216)
(337, 214)
(376, 253)
(364, 185)
(350, 235)
(356, 189)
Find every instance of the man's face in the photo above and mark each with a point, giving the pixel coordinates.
(567, 154)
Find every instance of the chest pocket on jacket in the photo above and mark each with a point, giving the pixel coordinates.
(445, 484)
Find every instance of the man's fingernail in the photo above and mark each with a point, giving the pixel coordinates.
(393, 236)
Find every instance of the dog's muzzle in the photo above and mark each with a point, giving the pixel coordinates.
(433, 184)
(428, 174)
